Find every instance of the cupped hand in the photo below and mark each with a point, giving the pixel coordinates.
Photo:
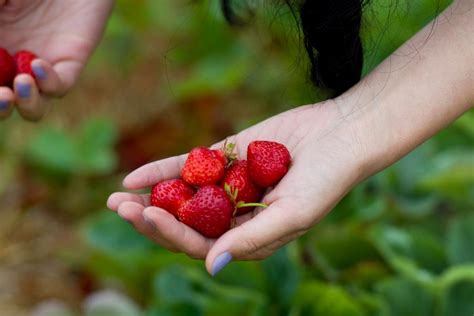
(327, 163)
(63, 33)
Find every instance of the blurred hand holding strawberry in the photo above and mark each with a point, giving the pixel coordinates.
(63, 34)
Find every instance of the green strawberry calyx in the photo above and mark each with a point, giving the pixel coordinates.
(240, 204)
(229, 153)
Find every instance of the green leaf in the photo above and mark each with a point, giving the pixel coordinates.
(282, 275)
(374, 305)
(189, 285)
(459, 299)
(95, 147)
(451, 174)
(172, 286)
(174, 310)
(343, 246)
(460, 240)
(91, 152)
(399, 248)
(97, 134)
(412, 167)
(406, 297)
(365, 274)
(107, 232)
(456, 291)
(215, 75)
(320, 299)
(428, 250)
(244, 274)
(466, 123)
(52, 150)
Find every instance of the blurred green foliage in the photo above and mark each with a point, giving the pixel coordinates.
(62, 153)
(400, 243)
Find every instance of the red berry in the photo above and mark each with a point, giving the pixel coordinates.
(209, 211)
(23, 61)
(7, 68)
(171, 194)
(204, 166)
(268, 162)
(238, 179)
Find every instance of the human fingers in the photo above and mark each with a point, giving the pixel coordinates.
(132, 212)
(117, 198)
(154, 172)
(181, 236)
(7, 99)
(27, 97)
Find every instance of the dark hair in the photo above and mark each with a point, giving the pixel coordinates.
(331, 37)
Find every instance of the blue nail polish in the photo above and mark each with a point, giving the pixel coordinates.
(221, 261)
(4, 105)
(24, 90)
(39, 72)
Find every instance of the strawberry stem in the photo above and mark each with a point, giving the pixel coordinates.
(229, 153)
(242, 204)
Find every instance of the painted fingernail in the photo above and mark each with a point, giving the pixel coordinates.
(150, 222)
(4, 105)
(24, 90)
(220, 262)
(39, 72)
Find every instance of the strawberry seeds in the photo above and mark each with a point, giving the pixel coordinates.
(215, 186)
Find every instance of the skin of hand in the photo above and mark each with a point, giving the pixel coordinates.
(63, 33)
(334, 145)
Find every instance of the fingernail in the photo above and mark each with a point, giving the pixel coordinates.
(24, 90)
(39, 72)
(4, 105)
(150, 222)
(221, 261)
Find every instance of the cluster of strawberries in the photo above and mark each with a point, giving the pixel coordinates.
(10, 66)
(215, 186)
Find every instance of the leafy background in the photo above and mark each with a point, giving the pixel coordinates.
(170, 75)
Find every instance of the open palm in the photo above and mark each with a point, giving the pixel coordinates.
(62, 33)
(324, 168)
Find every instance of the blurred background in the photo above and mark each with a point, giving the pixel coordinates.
(170, 75)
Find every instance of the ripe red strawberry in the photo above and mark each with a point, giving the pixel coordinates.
(268, 162)
(7, 68)
(237, 178)
(171, 194)
(23, 61)
(209, 211)
(204, 166)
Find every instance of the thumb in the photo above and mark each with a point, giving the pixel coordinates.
(255, 239)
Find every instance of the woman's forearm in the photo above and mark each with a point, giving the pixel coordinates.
(420, 89)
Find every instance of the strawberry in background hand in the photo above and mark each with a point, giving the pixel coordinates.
(209, 211)
(63, 33)
(170, 195)
(204, 166)
(268, 162)
(7, 68)
(23, 60)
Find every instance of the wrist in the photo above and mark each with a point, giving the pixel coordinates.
(407, 100)
(359, 127)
